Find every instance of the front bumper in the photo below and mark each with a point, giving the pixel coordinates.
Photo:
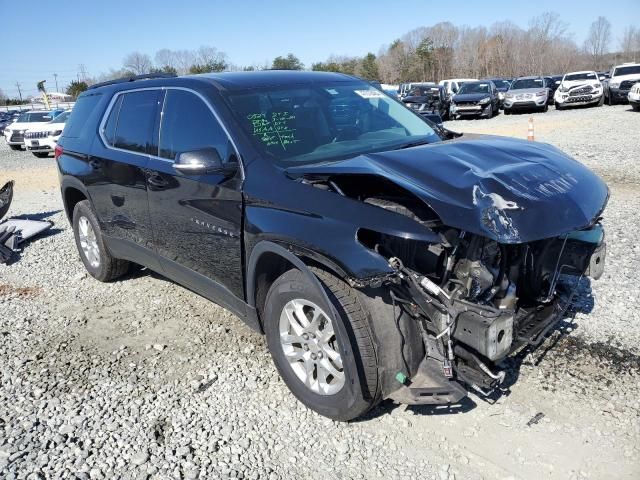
(16, 137)
(40, 144)
(584, 99)
(618, 93)
(470, 110)
(524, 103)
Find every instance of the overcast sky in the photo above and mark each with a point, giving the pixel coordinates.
(98, 35)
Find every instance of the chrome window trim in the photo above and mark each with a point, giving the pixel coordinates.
(113, 100)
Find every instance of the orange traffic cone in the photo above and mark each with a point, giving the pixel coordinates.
(530, 135)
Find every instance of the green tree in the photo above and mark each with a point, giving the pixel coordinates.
(424, 52)
(290, 62)
(165, 69)
(76, 88)
(369, 67)
(212, 66)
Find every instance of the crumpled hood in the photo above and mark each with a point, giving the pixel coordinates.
(512, 191)
(579, 83)
(470, 97)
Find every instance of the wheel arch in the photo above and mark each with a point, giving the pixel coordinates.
(269, 260)
(73, 191)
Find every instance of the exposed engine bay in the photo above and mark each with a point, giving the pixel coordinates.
(475, 300)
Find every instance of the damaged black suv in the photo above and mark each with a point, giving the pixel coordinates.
(382, 256)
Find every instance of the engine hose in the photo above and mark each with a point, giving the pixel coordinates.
(402, 339)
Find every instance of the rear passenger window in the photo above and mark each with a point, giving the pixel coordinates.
(80, 114)
(112, 121)
(135, 121)
(188, 124)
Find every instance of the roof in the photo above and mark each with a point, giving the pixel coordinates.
(529, 77)
(267, 78)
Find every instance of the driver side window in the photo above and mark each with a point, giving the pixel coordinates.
(188, 124)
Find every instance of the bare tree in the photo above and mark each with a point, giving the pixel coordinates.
(597, 42)
(3, 97)
(138, 63)
(165, 58)
(184, 59)
(630, 43)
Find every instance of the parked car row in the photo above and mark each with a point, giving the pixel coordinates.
(36, 131)
(465, 98)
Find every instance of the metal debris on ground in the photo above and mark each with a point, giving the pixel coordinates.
(535, 419)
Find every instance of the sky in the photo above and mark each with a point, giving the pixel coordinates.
(98, 35)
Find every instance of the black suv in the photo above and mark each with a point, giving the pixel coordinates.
(382, 256)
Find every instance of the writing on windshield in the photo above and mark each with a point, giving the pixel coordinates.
(276, 130)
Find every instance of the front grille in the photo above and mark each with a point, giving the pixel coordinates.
(580, 91)
(17, 137)
(627, 84)
(35, 135)
(523, 96)
(583, 98)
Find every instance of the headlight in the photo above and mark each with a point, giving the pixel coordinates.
(563, 89)
(500, 96)
(508, 95)
(484, 101)
(55, 134)
(541, 94)
(614, 84)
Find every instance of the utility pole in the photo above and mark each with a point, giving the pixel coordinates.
(19, 91)
(55, 75)
(83, 72)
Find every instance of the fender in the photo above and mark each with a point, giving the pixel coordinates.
(67, 182)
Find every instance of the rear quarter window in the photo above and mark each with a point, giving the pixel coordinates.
(80, 114)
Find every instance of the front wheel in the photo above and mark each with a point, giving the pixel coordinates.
(636, 107)
(93, 252)
(558, 106)
(15, 147)
(545, 108)
(601, 101)
(328, 362)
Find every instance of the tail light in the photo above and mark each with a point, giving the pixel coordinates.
(58, 151)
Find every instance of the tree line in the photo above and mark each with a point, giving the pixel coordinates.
(429, 53)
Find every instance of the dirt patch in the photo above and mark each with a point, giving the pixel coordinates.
(7, 290)
(32, 178)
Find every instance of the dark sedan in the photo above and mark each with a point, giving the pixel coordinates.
(475, 99)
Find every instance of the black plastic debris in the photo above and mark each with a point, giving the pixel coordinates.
(535, 419)
(15, 231)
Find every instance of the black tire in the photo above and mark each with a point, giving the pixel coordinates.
(601, 101)
(507, 111)
(109, 268)
(558, 106)
(41, 154)
(610, 100)
(636, 108)
(545, 108)
(360, 391)
(15, 147)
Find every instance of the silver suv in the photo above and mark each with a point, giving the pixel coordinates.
(527, 93)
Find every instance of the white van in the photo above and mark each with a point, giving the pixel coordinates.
(452, 85)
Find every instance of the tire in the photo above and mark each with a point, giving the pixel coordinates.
(507, 111)
(352, 340)
(545, 108)
(15, 147)
(41, 154)
(636, 108)
(558, 106)
(601, 101)
(610, 100)
(99, 262)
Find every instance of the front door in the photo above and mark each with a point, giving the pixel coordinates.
(197, 219)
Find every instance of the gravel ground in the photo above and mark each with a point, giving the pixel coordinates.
(144, 379)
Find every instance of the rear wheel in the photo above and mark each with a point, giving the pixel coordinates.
(93, 252)
(15, 147)
(328, 363)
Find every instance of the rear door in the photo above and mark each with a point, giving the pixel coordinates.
(118, 185)
(197, 219)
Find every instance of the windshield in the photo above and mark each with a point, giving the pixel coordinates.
(580, 76)
(501, 83)
(630, 70)
(61, 118)
(527, 83)
(319, 122)
(34, 117)
(472, 87)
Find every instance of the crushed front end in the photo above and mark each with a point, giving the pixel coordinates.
(476, 301)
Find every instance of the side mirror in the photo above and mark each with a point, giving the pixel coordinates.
(203, 161)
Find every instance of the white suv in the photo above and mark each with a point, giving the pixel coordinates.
(42, 140)
(623, 77)
(634, 97)
(579, 88)
(14, 133)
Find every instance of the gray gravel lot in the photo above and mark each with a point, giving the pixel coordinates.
(144, 379)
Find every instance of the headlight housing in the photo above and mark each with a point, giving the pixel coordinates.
(484, 101)
(541, 94)
(508, 95)
(563, 89)
(55, 133)
(614, 84)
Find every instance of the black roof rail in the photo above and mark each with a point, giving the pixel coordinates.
(133, 78)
